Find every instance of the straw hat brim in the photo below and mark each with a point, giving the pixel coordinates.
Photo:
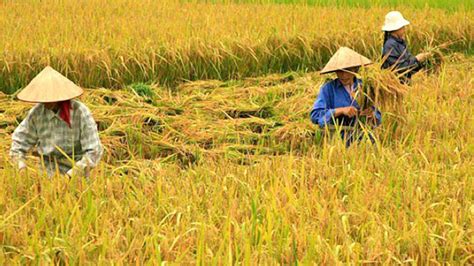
(343, 59)
(395, 26)
(322, 72)
(55, 100)
(49, 86)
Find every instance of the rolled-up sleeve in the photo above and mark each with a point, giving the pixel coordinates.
(90, 141)
(24, 137)
(322, 114)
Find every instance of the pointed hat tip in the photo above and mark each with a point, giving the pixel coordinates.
(49, 68)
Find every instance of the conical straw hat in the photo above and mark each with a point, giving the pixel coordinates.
(49, 86)
(345, 58)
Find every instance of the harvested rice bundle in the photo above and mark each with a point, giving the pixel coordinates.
(381, 88)
(435, 61)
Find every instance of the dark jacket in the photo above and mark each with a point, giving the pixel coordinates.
(400, 57)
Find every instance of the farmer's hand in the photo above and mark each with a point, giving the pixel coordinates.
(369, 113)
(349, 111)
(421, 57)
(75, 172)
(20, 165)
(21, 168)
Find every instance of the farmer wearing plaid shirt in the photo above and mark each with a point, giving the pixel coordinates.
(62, 130)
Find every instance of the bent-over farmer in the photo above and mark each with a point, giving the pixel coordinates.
(335, 105)
(57, 126)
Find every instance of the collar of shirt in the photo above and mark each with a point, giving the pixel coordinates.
(50, 114)
(350, 89)
(399, 40)
(354, 85)
(349, 95)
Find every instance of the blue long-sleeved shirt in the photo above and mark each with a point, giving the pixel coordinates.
(331, 96)
(399, 56)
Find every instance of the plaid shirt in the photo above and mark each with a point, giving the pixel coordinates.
(44, 129)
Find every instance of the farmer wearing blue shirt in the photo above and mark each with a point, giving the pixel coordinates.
(335, 104)
(395, 50)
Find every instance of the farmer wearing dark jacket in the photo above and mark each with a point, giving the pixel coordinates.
(395, 48)
(335, 105)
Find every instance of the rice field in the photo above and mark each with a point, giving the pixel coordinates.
(451, 5)
(105, 44)
(213, 167)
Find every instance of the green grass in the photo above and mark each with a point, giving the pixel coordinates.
(451, 5)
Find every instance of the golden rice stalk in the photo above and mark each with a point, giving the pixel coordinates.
(380, 88)
(435, 61)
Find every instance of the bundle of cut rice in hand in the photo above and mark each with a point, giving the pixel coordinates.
(435, 61)
(381, 88)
